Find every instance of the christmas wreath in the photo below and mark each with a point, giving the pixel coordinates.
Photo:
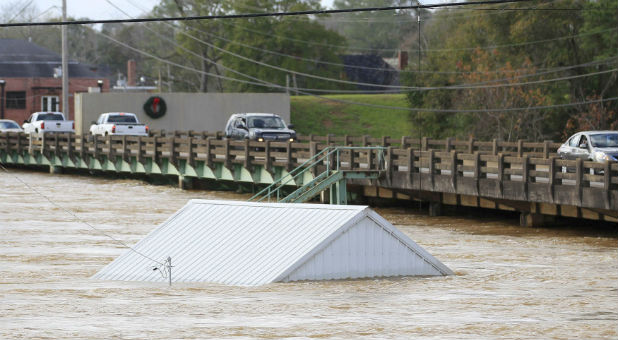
(155, 107)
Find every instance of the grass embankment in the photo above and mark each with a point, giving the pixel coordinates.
(318, 116)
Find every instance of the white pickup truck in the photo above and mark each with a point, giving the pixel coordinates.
(44, 122)
(118, 123)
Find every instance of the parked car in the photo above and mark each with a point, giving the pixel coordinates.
(118, 123)
(598, 146)
(259, 126)
(7, 125)
(48, 122)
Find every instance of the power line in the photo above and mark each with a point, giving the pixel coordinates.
(302, 92)
(259, 15)
(77, 217)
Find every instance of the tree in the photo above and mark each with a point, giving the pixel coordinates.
(533, 46)
(298, 44)
(379, 32)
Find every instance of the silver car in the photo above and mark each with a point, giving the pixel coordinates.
(7, 125)
(598, 146)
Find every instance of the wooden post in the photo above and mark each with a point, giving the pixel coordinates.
(520, 148)
(346, 140)
(95, 142)
(546, 149)
(369, 159)
(525, 166)
(227, 160)
(190, 156)
(552, 176)
(494, 147)
(108, 141)
(155, 155)
(56, 149)
(140, 153)
(471, 145)
(448, 144)
(246, 163)
(410, 165)
(288, 164)
(431, 168)
(124, 149)
(208, 155)
(385, 142)
(365, 140)
(390, 167)
(424, 143)
(352, 159)
(82, 148)
(172, 150)
(268, 164)
(477, 170)
(579, 176)
(501, 173)
(453, 167)
(404, 143)
(70, 145)
(313, 150)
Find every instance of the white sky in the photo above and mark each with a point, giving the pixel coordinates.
(101, 9)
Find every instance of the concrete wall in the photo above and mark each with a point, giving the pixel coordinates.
(185, 111)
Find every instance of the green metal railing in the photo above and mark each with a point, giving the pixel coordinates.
(330, 154)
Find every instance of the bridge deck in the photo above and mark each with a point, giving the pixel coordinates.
(523, 176)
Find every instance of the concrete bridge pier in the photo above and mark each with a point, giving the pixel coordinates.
(55, 170)
(185, 183)
(531, 220)
(435, 209)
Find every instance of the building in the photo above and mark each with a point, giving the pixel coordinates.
(250, 244)
(373, 69)
(32, 80)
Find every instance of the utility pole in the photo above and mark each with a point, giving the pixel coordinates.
(65, 63)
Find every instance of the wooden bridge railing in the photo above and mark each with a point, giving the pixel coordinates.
(518, 170)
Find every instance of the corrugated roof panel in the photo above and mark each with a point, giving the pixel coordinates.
(243, 243)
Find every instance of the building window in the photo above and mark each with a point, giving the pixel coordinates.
(16, 100)
(50, 103)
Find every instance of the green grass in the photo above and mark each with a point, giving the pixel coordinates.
(318, 116)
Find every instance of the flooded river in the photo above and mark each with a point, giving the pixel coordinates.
(511, 283)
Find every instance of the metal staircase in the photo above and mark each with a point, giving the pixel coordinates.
(333, 177)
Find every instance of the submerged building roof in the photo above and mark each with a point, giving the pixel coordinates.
(246, 243)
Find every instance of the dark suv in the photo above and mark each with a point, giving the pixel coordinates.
(259, 127)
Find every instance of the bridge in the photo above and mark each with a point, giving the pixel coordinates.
(517, 176)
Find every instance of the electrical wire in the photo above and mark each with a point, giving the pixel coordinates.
(552, 70)
(301, 92)
(77, 217)
(258, 15)
(257, 62)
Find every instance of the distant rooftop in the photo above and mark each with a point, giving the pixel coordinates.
(23, 59)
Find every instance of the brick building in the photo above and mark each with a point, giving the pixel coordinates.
(32, 78)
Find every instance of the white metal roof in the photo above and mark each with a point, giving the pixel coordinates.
(246, 243)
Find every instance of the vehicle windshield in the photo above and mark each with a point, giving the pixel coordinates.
(265, 122)
(49, 116)
(121, 119)
(8, 125)
(604, 140)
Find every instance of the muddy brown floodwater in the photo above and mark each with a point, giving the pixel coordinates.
(511, 283)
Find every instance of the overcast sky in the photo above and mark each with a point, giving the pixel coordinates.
(101, 9)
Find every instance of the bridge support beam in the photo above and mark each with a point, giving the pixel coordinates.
(435, 209)
(185, 183)
(339, 193)
(55, 170)
(531, 220)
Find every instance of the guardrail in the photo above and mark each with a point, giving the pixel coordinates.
(521, 171)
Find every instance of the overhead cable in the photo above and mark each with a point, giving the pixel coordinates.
(77, 217)
(302, 92)
(259, 15)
